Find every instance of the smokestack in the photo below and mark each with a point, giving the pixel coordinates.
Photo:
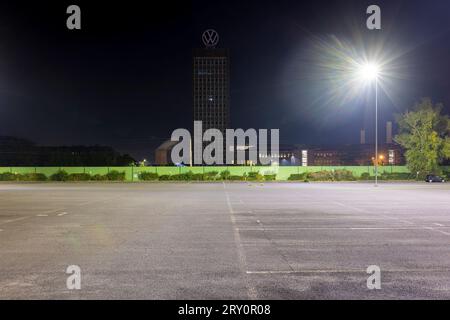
(362, 138)
(389, 132)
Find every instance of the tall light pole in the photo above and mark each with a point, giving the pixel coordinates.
(371, 71)
(376, 130)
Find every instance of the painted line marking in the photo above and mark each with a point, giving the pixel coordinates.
(438, 224)
(351, 207)
(336, 228)
(62, 214)
(343, 271)
(42, 215)
(13, 220)
(251, 291)
(440, 231)
(52, 211)
(398, 219)
(443, 232)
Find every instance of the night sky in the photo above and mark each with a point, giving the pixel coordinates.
(124, 80)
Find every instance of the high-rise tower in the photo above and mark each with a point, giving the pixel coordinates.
(211, 84)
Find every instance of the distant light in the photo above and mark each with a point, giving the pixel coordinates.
(369, 71)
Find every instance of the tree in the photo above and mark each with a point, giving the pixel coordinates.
(424, 133)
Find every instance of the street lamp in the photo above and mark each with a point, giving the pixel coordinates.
(370, 72)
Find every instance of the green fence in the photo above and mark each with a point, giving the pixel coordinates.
(132, 173)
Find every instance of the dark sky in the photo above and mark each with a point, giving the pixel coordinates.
(125, 79)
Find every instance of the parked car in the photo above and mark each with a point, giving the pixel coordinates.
(434, 178)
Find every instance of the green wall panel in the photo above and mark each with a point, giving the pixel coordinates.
(282, 173)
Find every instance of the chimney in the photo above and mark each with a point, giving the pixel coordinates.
(362, 138)
(389, 132)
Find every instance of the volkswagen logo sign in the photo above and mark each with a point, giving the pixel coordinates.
(210, 38)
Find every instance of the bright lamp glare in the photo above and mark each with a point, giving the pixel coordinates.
(369, 71)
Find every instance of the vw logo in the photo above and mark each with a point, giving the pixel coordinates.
(210, 38)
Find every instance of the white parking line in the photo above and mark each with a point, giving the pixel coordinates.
(440, 231)
(50, 211)
(344, 271)
(42, 215)
(397, 219)
(351, 207)
(443, 232)
(13, 220)
(334, 228)
(401, 220)
(251, 291)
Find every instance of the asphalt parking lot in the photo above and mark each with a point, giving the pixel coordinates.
(225, 241)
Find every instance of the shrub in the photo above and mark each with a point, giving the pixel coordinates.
(236, 178)
(446, 174)
(255, 176)
(365, 176)
(343, 175)
(225, 175)
(397, 176)
(98, 177)
(115, 176)
(148, 176)
(198, 177)
(270, 177)
(79, 177)
(8, 176)
(32, 177)
(176, 177)
(182, 176)
(336, 175)
(320, 176)
(164, 177)
(187, 176)
(210, 176)
(22, 177)
(297, 176)
(61, 175)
